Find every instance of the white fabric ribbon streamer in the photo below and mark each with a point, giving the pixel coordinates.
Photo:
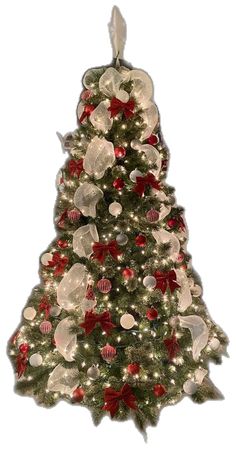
(150, 119)
(83, 240)
(86, 198)
(63, 380)
(99, 157)
(109, 84)
(101, 118)
(163, 236)
(65, 340)
(72, 288)
(152, 155)
(199, 332)
(184, 294)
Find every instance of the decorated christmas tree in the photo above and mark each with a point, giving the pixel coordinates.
(117, 323)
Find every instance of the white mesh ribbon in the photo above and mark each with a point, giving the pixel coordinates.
(83, 240)
(63, 380)
(199, 332)
(72, 288)
(109, 84)
(150, 119)
(184, 294)
(199, 375)
(152, 155)
(163, 236)
(142, 88)
(164, 210)
(101, 118)
(99, 156)
(65, 341)
(86, 198)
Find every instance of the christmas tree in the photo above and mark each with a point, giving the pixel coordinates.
(117, 323)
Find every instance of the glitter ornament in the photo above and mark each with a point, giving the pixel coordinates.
(78, 394)
(149, 282)
(24, 348)
(127, 321)
(134, 174)
(46, 258)
(140, 240)
(128, 273)
(152, 215)
(104, 285)
(108, 353)
(55, 310)
(36, 360)
(29, 313)
(133, 368)
(120, 152)
(122, 239)
(45, 327)
(118, 184)
(115, 209)
(93, 372)
(159, 390)
(151, 314)
(189, 387)
(73, 215)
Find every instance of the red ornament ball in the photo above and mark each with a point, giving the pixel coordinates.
(152, 215)
(24, 348)
(128, 273)
(159, 390)
(151, 314)
(133, 368)
(78, 394)
(74, 215)
(172, 223)
(180, 257)
(120, 152)
(153, 139)
(140, 240)
(104, 285)
(118, 184)
(86, 94)
(108, 353)
(62, 244)
(45, 327)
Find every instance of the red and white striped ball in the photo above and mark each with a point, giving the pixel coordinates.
(74, 215)
(104, 285)
(108, 353)
(45, 327)
(152, 215)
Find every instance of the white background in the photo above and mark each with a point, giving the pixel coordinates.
(188, 47)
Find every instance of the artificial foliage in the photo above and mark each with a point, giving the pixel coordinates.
(117, 323)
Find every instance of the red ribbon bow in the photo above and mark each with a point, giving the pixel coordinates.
(62, 218)
(172, 346)
(22, 359)
(117, 106)
(75, 167)
(92, 318)
(143, 181)
(101, 250)
(88, 109)
(59, 262)
(112, 399)
(45, 306)
(165, 280)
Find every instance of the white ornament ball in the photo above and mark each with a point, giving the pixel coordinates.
(134, 174)
(45, 327)
(149, 281)
(214, 343)
(29, 313)
(127, 321)
(189, 387)
(36, 360)
(55, 310)
(45, 258)
(115, 209)
(93, 372)
(196, 291)
(122, 239)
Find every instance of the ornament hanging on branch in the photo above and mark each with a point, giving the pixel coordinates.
(108, 353)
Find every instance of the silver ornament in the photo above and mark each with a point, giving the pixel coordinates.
(36, 360)
(93, 372)
(134, 174)
(29, 313)
(149, 281)
(189, 387)
(127, 321)
(122, 239)
(115, 209)
(55, 310)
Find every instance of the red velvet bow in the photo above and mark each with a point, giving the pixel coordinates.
(143, 181)
(59, 262)
(88, 109)
(112, 399)
(45, 306)
(101, 250)
(61, 220)
(180, 222)
(22, 359)
(92, 318)
(165, 280)
(117, 106)
(172, 346)
(75, 167)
